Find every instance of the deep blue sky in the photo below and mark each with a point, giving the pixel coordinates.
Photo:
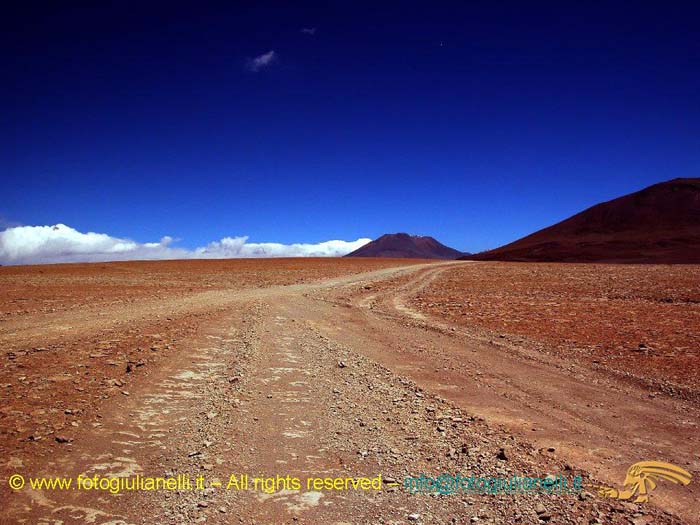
(476, 123)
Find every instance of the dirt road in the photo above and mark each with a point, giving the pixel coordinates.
(343, 379)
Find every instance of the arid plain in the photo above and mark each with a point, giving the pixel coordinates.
(347, 367)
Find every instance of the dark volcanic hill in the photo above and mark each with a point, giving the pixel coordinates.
(659, 224)
(404, 245)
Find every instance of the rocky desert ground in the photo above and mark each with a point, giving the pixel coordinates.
(346, 368)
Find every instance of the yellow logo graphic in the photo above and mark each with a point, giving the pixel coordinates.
(642, 478)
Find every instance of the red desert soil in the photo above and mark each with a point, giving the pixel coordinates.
(78, 328)
(642, 320)
(310, 368)
(28, 290)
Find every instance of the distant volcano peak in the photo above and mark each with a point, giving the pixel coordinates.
(404, 245)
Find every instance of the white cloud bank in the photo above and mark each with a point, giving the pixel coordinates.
(61, 243)
(261, 62)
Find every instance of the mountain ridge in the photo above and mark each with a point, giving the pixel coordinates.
(658, 224)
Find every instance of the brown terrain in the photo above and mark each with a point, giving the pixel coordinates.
(346, 368)
(659, 224)
(403, 245)
(638, 321)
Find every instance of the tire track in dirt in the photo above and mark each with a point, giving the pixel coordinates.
(135, 436)
(592, 420)
(284, 383)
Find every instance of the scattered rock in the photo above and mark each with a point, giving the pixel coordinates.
(583, 495)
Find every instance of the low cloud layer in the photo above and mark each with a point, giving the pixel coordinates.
(261, 62)
(61, 243)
